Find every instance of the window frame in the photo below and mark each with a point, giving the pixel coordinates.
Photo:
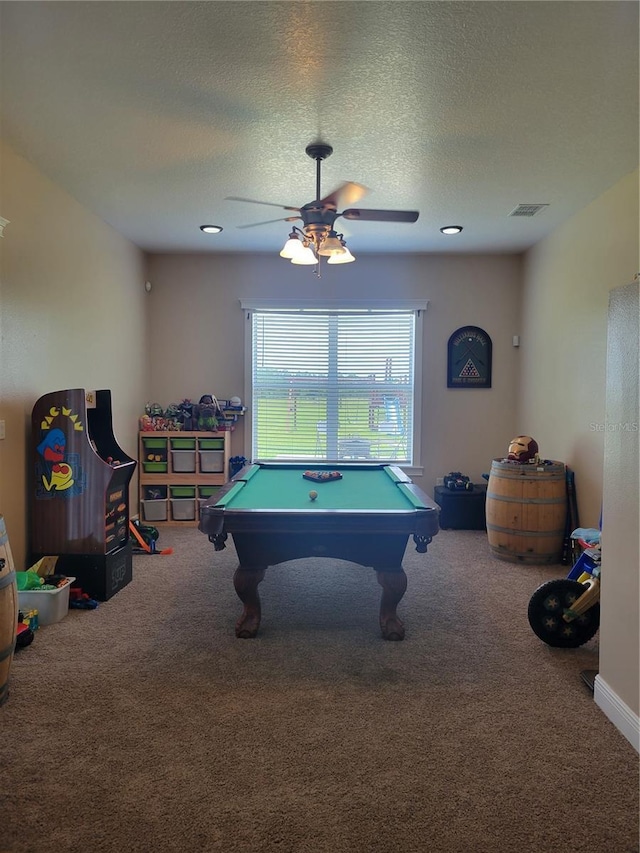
(249, 306)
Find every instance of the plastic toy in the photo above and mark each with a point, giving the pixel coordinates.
(236, 464)
(457, 482)
(185, 414)
(28, 580)
(146, 538)
(208, 413)
(79, 600)
(24, 635)
(522, 449)
(30, 618)
(566, 613)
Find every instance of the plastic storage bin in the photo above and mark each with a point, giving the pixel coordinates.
(183, 461)
(52, 604)
(211, 444)
(212, 461)
(183, 509)
(183, 491)
(155, 449)
(155, 493)
(155, 467)
(183, 444)
(207, 492)
(154, 510)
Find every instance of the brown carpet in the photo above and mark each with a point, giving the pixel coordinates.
(145, 725)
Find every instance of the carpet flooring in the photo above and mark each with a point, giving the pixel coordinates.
(145, 725)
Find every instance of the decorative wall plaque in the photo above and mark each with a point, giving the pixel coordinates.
(469, 358)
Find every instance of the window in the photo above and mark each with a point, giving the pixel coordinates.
(332, 384)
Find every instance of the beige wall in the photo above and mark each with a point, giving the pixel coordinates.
(567, 280)
(197, 340)
(620, 638)
(72, 315)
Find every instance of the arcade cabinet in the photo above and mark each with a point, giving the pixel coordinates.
(79, 490)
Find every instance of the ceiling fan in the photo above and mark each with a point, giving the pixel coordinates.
(317, 237)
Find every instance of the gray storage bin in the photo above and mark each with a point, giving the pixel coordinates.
(183, 509)
(183, 461)
(212, 461)
(154, 510)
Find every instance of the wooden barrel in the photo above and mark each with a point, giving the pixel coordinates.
(8, 611)
(526, 511)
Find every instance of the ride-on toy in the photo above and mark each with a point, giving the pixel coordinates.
(566, 612)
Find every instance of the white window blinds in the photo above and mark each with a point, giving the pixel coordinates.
(333, 384)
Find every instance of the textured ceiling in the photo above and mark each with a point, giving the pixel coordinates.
(150, 114)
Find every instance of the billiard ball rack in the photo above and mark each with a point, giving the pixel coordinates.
(322, 476)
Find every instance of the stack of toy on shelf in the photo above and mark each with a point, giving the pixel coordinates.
(207, 415)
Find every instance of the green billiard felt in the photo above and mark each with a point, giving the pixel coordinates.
(374, 487)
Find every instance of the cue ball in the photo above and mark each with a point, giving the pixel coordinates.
(313, 495)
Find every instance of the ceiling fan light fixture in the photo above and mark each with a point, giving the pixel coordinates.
(211, 229)
(316, 239)
(451, 229)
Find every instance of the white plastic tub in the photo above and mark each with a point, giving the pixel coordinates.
(183, 509)
(155, 510)
(52, 604)
(183, 461)
(212, 461)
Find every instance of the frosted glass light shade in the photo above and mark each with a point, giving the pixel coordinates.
(345, 258)
(291, 248)
(305, 257)
(331, 245)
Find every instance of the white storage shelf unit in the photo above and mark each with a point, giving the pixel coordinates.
(179, 471)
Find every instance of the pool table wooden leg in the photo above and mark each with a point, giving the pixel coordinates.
(394, 586)
(246, 583)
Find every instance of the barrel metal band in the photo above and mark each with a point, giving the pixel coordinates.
(539, 533)
(7, 580)
(509, 499)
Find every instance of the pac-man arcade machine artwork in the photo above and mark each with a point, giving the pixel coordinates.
(79, 491)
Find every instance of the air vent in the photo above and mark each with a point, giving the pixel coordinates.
(528, 209)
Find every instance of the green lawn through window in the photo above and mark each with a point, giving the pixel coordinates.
(296, 428)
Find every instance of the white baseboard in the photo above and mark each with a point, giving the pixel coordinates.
(622, 717)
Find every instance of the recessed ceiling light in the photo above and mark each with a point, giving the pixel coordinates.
(211, 229)
(451, 229)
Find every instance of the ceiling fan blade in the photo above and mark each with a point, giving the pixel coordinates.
(268, 221)
(254, 201)
(380, 215)
(346, 194)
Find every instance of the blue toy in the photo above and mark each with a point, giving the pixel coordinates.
(566, 613)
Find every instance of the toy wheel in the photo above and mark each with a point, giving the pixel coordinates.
(546, 607)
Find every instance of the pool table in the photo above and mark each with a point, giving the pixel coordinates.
(365, 517)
